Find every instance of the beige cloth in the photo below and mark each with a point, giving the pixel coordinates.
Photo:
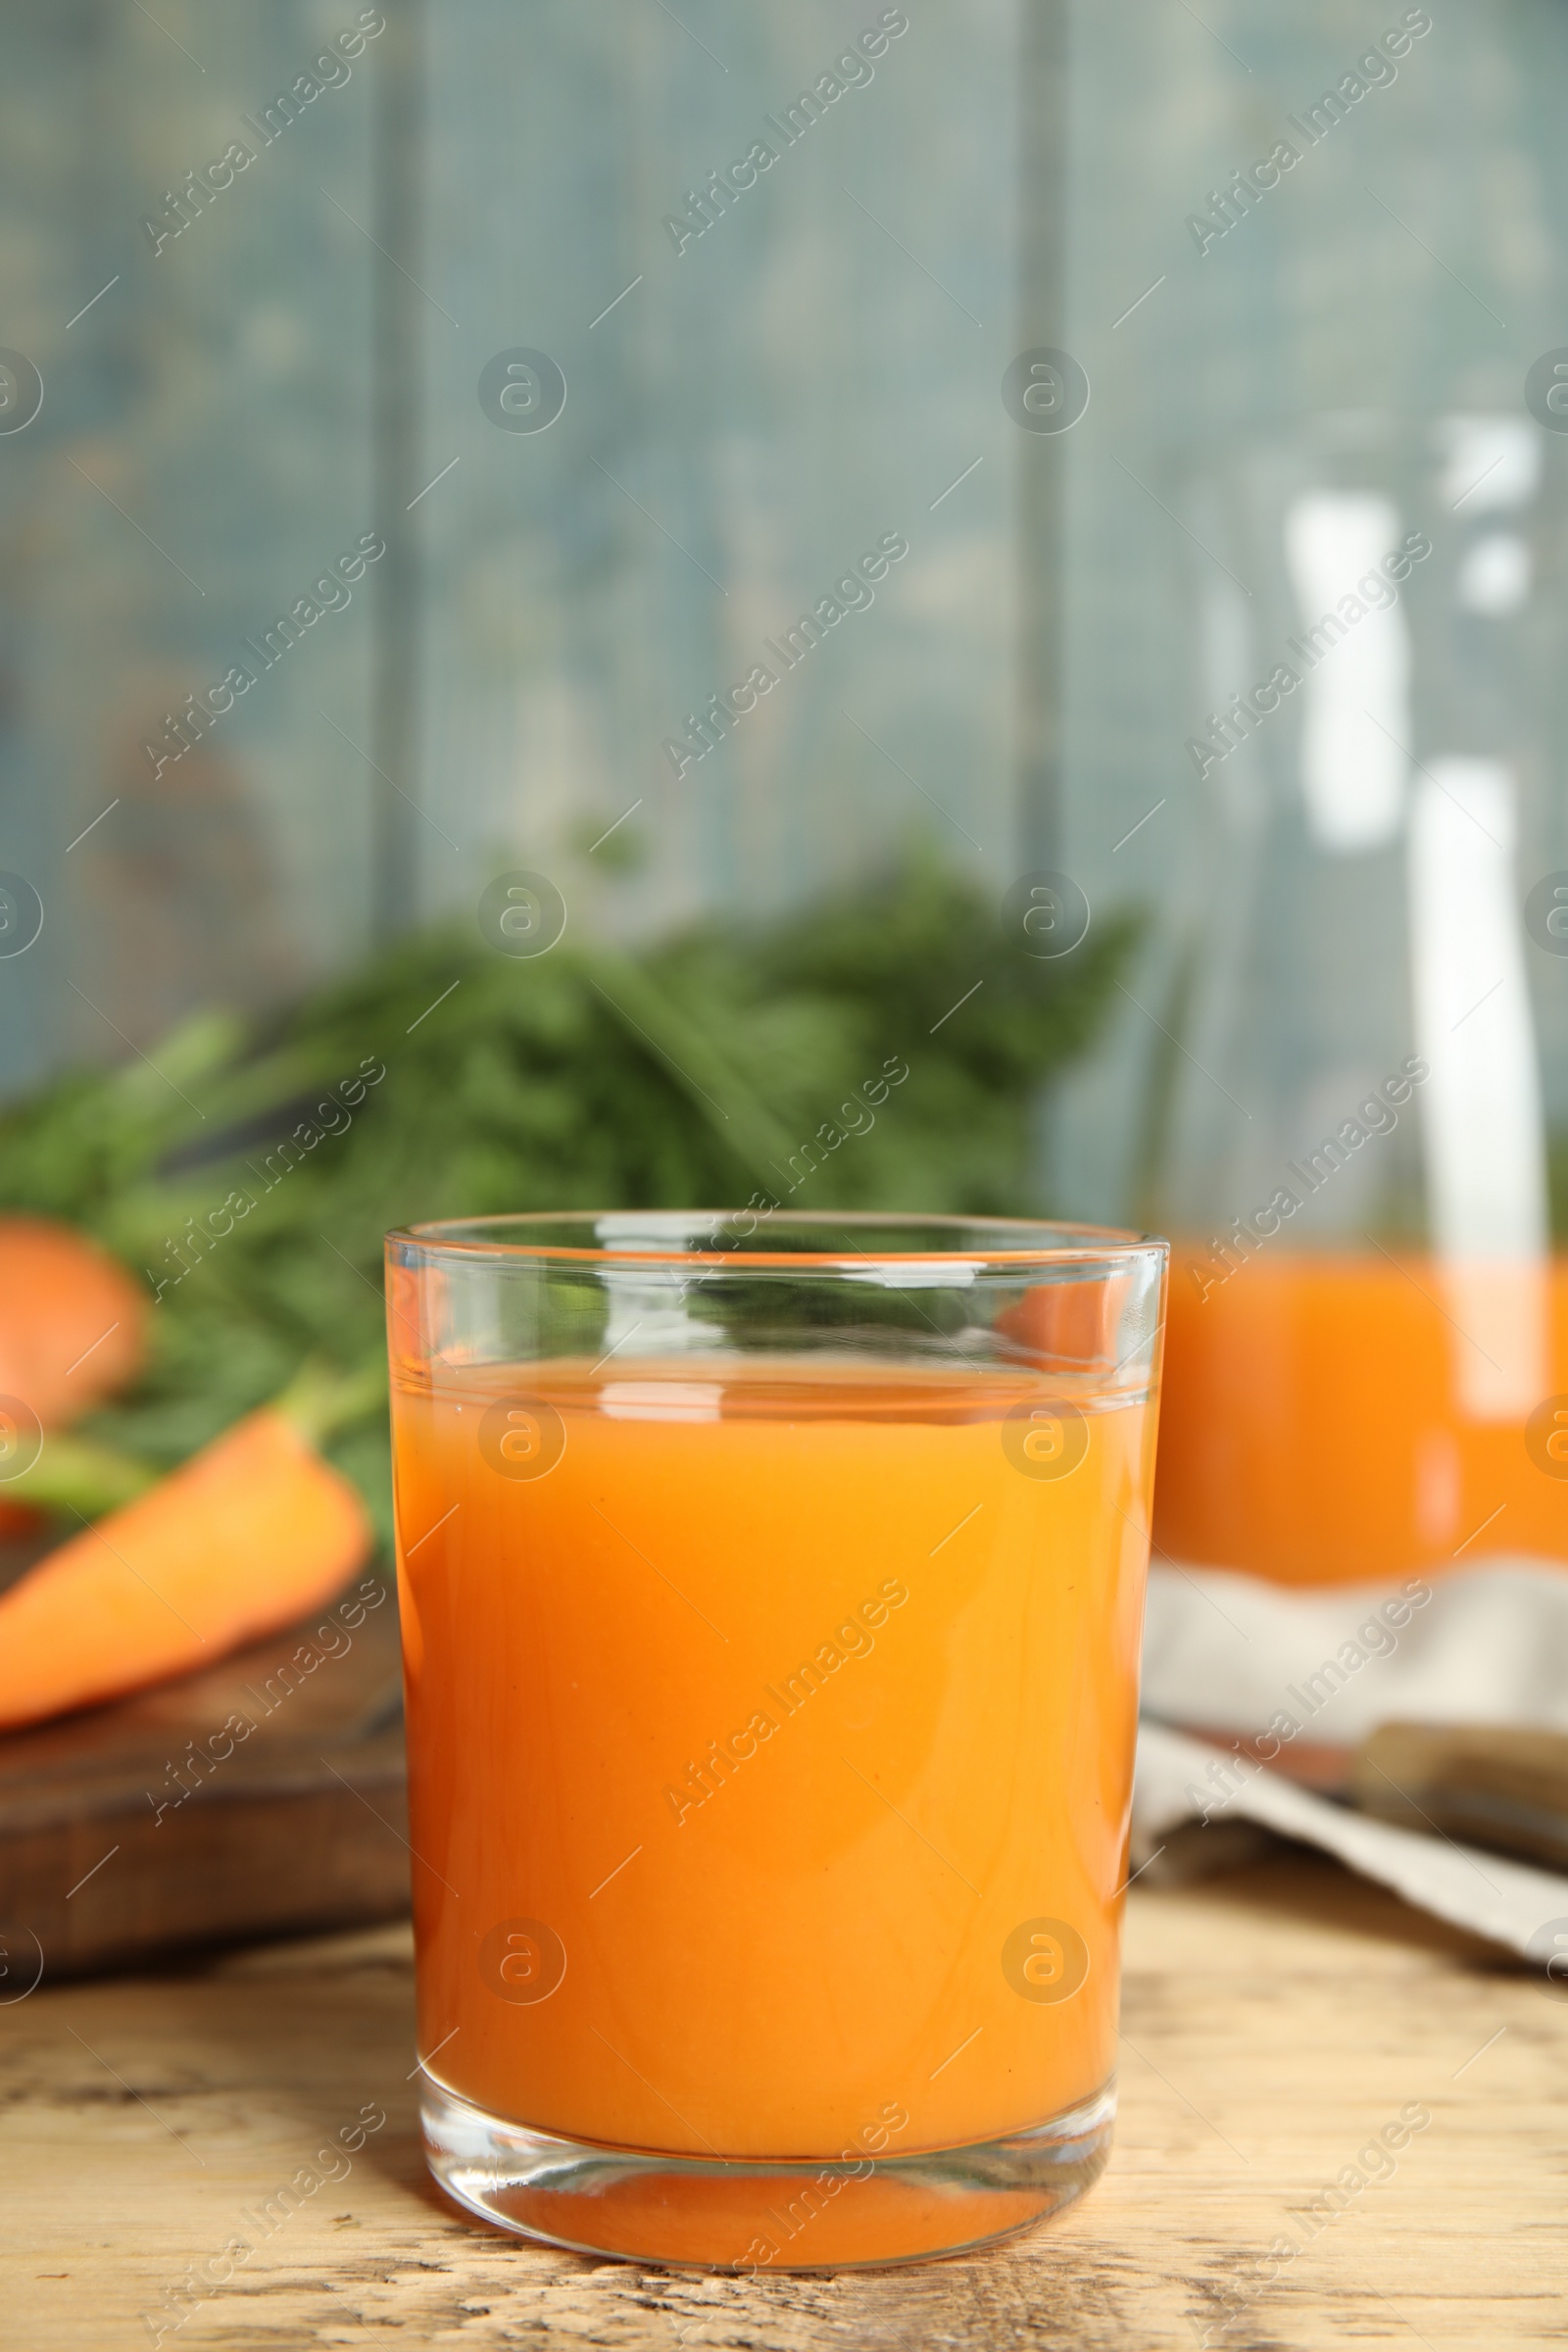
(1226, 1652)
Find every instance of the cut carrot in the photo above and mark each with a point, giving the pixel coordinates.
(72, 1329)
(251, 1533)
(73, 1323)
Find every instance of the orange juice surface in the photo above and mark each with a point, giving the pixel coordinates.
(1327, 1419)
(770, 1749)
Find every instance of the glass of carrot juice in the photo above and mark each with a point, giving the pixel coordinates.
(771, 1590)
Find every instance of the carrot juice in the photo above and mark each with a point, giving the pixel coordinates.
(770, 1736)
(1339, 1418)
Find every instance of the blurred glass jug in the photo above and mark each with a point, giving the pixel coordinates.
(1359, 1144)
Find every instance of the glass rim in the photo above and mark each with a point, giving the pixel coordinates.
(1054, 1242)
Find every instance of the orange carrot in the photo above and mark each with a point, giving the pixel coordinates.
(72, 1329)
(251, 1533)
(72, 1322)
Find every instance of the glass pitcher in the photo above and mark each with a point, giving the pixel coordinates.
(1362, 1154)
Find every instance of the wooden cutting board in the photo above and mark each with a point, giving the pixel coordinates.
(263, 1796)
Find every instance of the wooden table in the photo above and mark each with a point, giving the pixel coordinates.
(1275, 2019)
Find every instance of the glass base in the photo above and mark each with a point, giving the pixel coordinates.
(765, 2214)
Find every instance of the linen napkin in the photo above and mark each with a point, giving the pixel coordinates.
(1291, 1668)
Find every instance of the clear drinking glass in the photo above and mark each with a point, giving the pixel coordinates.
(771, 1594)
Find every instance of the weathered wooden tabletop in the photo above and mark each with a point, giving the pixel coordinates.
(1276, 2020)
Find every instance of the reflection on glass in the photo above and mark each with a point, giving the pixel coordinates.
(1481, 1114)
